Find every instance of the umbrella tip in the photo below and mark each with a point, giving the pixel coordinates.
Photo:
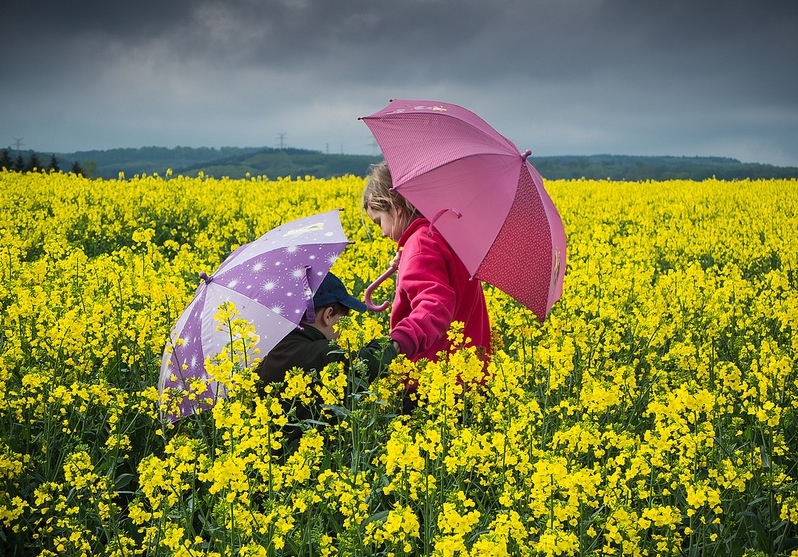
(526, 154)
(204, 276)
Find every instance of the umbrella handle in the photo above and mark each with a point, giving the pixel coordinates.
(383, 306)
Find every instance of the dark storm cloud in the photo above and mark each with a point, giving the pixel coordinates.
(556, 36)
(565, 76)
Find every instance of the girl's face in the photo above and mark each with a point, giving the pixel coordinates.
(387, 222)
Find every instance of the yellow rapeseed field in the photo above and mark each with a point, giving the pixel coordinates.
(653, 413)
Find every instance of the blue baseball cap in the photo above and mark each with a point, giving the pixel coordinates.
(333, 290)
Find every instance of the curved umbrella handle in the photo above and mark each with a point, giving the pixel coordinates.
(383, 306)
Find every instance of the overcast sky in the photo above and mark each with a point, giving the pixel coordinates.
(559, 77)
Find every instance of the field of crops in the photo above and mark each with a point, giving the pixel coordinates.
(653, 413)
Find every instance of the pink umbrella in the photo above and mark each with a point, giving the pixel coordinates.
(480, 192)
(271, 281)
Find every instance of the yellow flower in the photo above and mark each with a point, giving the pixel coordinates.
(297, 385)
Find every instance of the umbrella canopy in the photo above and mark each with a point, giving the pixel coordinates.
(271, 281)
(480, 192)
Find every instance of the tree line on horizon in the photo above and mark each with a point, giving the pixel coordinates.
(33, 163)
(240, 162)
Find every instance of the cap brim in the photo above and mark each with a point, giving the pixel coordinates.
(353, 303)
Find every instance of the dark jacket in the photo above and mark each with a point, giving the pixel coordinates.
(307, 348)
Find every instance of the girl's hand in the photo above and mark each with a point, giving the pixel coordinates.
(395, 260)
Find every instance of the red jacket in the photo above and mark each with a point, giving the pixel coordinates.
(433, 289)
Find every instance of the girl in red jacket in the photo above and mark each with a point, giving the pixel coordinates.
(433, 287)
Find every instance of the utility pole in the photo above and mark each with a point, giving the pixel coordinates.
(18, 141)
(374, 146)
(282, 138)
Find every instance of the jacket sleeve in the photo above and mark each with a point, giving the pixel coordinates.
(377, 355)
(293, 352)
(425, 283)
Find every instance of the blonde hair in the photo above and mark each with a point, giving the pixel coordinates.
(378, 196)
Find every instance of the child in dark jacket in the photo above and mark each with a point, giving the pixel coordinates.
(311, 345)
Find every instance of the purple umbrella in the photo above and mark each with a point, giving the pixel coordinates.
(271, 281)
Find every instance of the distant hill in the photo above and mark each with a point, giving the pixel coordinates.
(148, 160)
(237, 162)
(233, 162)
(636, 168)
(276, 163)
